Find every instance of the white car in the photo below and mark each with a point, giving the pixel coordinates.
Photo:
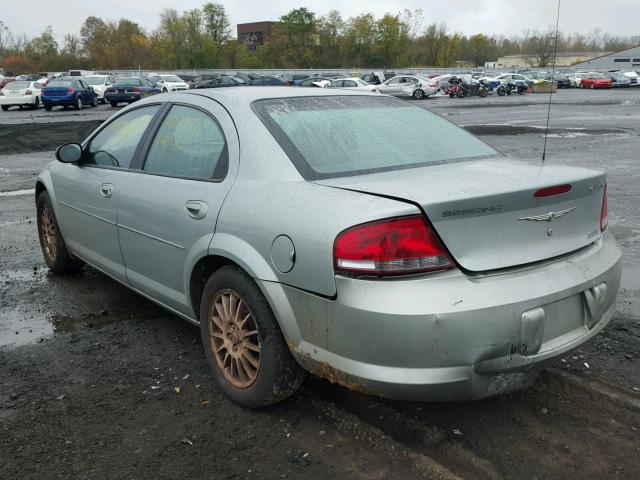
(170, 83)
(634, 77)
(21, 94)
(414, 86)
(576, 79)
(353, 83)
(100, 83)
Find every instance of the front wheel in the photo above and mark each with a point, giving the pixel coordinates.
(94, 103)
(5, 108)
(592, 87)
(418, 94)
(79, 103)
(52, 244)
(243, 344)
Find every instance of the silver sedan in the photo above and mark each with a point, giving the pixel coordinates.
(420, 267)
(409, 86)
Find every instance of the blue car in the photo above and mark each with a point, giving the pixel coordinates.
(129, 90)
(68, 92)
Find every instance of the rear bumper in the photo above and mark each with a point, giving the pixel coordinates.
(18, 100)
(449, 336)
(122, 97)
(66, 100)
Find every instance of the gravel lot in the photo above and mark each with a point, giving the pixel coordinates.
(89, 370)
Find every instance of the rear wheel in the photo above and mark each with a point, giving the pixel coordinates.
(418, 94)
(114, 104)
(79, 103)
(48, 108)
(244, 346)
(94, 103)
(592, 87)
(36, 104)
(53, 247)
(5, 108)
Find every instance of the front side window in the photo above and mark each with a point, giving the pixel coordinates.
(350, 83)
(189, 143)
(330, 136)
(115, 145)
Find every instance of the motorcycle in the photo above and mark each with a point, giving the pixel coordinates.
(458, 88)
(512, 86)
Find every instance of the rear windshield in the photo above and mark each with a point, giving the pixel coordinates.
(17, 85)
(171, 78)
(95, 80)
(336, 136)
(59, 83)
(128, 82)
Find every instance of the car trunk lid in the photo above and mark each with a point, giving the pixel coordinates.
(486, 212)
(17, 89)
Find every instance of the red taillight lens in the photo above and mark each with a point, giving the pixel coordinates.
(604, 213)
(550, 191)
(390, 247)
(135, 89)
(70, 90)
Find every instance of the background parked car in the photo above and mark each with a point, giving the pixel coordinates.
(576, 79)
(6, 80)
(562, 81)
(596, 80)
(170, 83)
(377, 78)
(201, 78)
(68, 92)
(315, 82)
(20, 94)
(293, 79)
(100, 83)
(619, 79)
(409, 86)
(266, 80)
(129, 90)
(517, 78)
(353, 83)
(634, 77)
(221, 81)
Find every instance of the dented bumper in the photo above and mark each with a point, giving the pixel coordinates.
(449, 336)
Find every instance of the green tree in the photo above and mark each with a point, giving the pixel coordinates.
(216, 22)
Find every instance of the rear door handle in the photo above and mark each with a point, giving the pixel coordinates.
(196, 209)
(106, 190)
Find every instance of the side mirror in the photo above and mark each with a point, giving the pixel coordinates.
(69, 153)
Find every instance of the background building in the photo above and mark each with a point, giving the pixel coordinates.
(563, 59)
(254, 34)
(628, 59)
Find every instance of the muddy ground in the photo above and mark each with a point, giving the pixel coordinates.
(89, 370)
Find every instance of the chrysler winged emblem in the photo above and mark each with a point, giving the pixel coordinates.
(548, 217)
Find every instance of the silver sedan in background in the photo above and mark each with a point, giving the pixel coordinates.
(409, 86)
(421, 267)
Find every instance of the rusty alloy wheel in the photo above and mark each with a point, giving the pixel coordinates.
(47, 227)
(234, 338)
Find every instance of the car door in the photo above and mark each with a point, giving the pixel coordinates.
(87, 193)
(169, 206)
(393, 86)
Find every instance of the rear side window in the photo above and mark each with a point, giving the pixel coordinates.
(115, 145)
(331, 136)
(189, 143)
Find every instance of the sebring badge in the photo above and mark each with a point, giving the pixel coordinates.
(548, 217)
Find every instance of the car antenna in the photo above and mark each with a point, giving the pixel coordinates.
(553, 74)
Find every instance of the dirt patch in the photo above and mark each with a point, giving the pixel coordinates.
(38, 137)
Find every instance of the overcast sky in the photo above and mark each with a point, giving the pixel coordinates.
(508, 17)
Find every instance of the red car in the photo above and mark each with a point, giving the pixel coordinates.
(596, 80)
(5, 80)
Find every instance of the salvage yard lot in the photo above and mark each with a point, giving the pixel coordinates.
(96, 382)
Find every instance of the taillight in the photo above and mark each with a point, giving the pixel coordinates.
(70, 90)
(393, 246)
(604, 213)
(135, 89)
(550, 191)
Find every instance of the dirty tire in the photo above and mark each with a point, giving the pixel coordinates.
(278, 375)
(52, 244)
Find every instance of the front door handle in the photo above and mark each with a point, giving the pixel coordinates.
(196, 209)
(106, 190)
